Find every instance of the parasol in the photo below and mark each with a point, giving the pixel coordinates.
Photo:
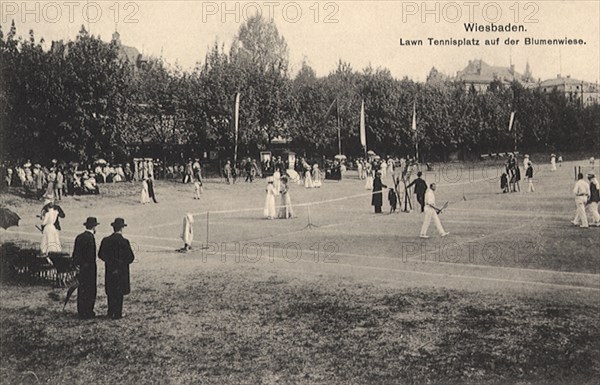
(8, 218)
(340, 157)
(293, 175)
(101, 161)
(371, 152)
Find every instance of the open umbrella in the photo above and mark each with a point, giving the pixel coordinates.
(8, 218)
(340, 157)
(371, 152)
(101, 161)
(293, 175)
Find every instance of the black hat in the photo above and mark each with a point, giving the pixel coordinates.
(91, 222)
(119, 223)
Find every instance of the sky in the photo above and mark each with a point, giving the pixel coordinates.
(361, 33)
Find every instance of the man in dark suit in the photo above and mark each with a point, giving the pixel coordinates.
(117, 255)
(377, 197)
(420, 189)
(84, 257)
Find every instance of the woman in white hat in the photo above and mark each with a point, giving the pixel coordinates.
(308, 181)
(285, 211)
(316, 174)
(269, 211)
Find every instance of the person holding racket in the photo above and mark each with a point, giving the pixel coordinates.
(431, 213)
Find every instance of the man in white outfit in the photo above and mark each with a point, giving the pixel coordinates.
(431, 213)
(582, 192)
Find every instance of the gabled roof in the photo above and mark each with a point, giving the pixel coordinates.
(559, 81)
(478, 71)
(131, 54)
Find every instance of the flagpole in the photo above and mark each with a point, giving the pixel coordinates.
(511, 124)
(338, 127)
(236, 120)
(414, 128)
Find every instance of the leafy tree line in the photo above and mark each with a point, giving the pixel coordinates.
(79, 101)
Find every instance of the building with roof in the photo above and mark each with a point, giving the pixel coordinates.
(479, 75)
(136, 60)
(586, 93)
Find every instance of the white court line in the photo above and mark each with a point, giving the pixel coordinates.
(241, 210)
(415, 258)
(452, 276)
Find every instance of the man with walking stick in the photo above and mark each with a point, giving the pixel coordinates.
(117, 255)
(84, 257)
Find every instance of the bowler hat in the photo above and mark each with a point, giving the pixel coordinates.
(118, 222)
(91, 222)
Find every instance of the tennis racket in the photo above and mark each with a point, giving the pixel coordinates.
(444, 206)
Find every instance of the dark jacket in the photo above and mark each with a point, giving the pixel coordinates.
(529, 172)
(84, 256)
(84, 250)
(420, 186)
(377, 199)
(594, 193)
(117, 254)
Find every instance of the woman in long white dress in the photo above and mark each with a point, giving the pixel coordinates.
(285, 211)
(145, 194)
(383, 169)
(390, 170)
(553, 162)
(277, 181)
(369, 179)
(359, 167)
(269, 211)
(50, 237)
(316, 174)
(187, 233)
(308, 181)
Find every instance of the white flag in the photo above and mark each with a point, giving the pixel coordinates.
(236, 119)
(512, 119)
(414, 118)
(363, 130)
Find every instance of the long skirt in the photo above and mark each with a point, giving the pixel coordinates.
(369, 183)
(50, 240)
(286, 211)
(308, 182)
(50, 190)
(269, 211)
(317, 180)
(145, 196)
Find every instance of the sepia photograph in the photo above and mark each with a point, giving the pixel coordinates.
(300, 192)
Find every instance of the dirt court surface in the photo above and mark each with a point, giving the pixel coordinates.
(511, 296)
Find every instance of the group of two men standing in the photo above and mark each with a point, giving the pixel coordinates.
(117, 255)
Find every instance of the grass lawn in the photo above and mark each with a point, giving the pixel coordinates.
(510, 297)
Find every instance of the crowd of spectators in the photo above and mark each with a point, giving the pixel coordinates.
(57, 179)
